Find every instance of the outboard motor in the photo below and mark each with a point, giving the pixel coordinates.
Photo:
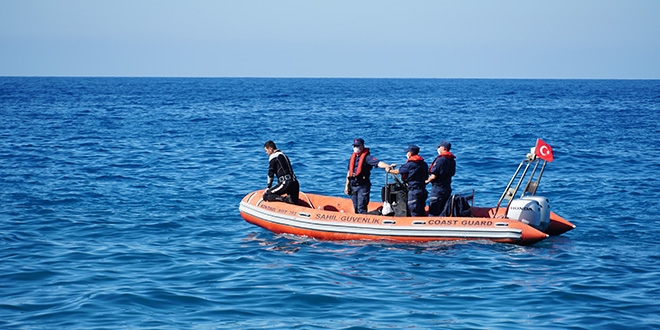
(531, 210)
(544, 203)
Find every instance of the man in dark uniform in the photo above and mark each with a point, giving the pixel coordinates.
(358, 183)
(414, 172)
(279, 165)
(440, 173)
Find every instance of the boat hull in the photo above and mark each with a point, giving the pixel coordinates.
(332, 218)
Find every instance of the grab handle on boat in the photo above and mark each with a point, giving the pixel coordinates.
(307, 198)
(531, 186)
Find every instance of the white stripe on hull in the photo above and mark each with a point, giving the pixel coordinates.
(381, 229)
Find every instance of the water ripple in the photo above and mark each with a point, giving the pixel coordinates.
(120, 204)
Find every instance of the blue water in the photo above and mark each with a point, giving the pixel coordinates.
(119, 204)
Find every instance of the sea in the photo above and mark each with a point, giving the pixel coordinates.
(119, 203)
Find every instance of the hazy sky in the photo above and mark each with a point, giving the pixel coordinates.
(339, 38)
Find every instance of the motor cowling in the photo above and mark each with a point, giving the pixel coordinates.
(544, 203)
(531, 210)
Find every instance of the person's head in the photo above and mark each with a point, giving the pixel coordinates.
(270, 147)
(444, 146)
(412, 150)
(358, 145)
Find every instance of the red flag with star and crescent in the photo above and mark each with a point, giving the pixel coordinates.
(543, 150)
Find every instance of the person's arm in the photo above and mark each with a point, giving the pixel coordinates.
(430, 179)
(271, 172)
(391, 169)
(373, 161)
(384, 165)
(347, 188)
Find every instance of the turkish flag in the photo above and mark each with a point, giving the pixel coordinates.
(543, 150)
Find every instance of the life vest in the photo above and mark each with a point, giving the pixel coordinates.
(351, 166)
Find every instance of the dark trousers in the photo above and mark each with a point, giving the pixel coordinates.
(289, 187)
(360, 197)
(416, 202)
(438, 199)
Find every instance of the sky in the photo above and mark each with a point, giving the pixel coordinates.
(556, 39)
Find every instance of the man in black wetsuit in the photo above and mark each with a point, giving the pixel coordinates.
(279, 165)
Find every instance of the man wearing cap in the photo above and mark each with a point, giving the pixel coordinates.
(358, 183)
(279, 165)
(440, 173)
(414, 172)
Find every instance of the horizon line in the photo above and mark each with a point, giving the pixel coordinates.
(312, 77)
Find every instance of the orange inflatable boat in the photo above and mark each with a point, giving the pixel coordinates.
(333, 218)
(525, 220)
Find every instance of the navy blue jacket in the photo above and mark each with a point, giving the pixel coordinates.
(443, 167)
(415, 172)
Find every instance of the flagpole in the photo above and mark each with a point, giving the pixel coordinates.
(545, 162)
